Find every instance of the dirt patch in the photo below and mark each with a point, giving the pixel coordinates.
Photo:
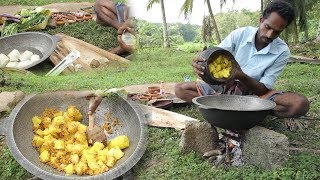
(61, 7)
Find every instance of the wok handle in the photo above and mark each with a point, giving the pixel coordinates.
(91, 121)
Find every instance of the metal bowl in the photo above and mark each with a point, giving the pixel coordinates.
(38, 43)
(232, 111)
(19, 132)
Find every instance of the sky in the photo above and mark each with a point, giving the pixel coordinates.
(172, 10)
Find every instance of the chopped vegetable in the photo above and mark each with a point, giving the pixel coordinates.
(25, 20)
(9, 28)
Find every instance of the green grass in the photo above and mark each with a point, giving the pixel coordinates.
(91, 32)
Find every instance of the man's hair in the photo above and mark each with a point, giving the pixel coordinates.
(283, 8)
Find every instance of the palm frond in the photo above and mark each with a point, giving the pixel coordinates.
(223, 2)
(150, 3)
(186, 8)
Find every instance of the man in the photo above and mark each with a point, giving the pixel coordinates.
(261, 57)
(106, 11)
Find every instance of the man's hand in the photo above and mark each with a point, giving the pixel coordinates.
(96, 135)
(197, 68)
(126, 27)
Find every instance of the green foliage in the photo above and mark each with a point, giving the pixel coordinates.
(187, 31)
(150, 34)
(232, 20)
(191, 47)
(313, 20)
(38, 2)
(9, 168)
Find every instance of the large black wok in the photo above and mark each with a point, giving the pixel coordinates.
(19, 132)
(232, 111)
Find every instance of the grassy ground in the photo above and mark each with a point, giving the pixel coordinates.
(162, 159)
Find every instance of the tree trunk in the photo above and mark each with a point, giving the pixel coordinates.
(215, 27)
(295, 32)
(165, 30)
(261, 6)
(286, 35)
(306, 33)
(318, 33)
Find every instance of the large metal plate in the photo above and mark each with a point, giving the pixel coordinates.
(19, 133)
(38, 43)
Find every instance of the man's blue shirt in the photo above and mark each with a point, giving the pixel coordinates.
(265, 65)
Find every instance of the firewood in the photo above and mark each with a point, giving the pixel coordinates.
(214, 152)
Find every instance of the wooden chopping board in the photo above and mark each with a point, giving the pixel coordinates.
(163, 118)
(88, 53)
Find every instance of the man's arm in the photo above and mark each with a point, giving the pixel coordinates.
(269, 77)
(251, 84)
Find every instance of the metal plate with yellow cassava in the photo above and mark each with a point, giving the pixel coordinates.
(20, 133)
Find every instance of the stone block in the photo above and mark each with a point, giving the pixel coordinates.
(265, 148)
(8, 100)
(199, 136)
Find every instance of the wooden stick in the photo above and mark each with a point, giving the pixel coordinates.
(91, 122)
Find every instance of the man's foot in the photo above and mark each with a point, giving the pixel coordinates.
(293, 124)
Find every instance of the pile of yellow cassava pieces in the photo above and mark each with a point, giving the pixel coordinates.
(61, 140)
(220, 67)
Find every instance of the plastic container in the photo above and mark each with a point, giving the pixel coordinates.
(210, 55)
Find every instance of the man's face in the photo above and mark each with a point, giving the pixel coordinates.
(270, 28)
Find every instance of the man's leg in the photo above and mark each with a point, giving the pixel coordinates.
(186, 91)
(289, 105)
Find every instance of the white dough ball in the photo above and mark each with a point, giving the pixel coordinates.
(4, 60)
(14, 55)
(13, 64)
(26, 56)
(35, 57)
(23, 64)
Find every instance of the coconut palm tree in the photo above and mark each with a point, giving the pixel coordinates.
(206, 30)
(166, 43)
(187, 6)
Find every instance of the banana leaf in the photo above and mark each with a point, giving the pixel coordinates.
(36, 22)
